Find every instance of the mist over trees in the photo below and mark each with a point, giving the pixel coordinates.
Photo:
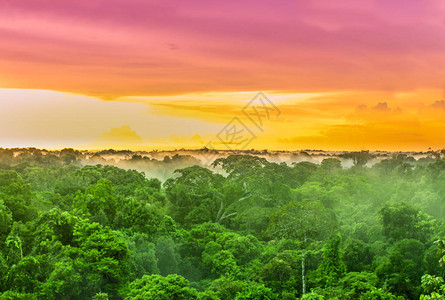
(257, 225)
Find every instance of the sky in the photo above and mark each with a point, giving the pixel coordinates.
(161, 74)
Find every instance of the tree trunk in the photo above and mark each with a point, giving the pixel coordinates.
(220, 212)
(303, 263)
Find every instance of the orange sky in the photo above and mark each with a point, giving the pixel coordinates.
(345, 75)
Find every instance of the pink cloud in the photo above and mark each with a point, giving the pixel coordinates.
(140, 47)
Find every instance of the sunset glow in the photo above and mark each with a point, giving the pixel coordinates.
(346, 75)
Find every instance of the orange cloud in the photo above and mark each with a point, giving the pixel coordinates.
(352, 120)
(123, 134)
(380, 127)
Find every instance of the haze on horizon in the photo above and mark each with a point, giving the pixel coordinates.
(143, 75)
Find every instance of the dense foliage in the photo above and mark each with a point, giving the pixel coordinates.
(245, 228)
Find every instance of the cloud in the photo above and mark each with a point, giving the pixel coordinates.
(185, 141)
(177, 47)
(380, 111)
(383, 106)
(197, 139)
(336, 120)
(379, 107)
(379, 127)
(440, 104)
(123, 135)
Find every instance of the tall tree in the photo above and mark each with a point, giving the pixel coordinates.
(305, 221)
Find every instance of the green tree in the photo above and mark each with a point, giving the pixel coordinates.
(157, 287)
(305, 221)
(332, 268)
(401, 221)
(357, 255)
(102, 257)
(402, 272)
(433, 287)
(17, 196)
(167, 255)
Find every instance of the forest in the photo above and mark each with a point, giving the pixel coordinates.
(242, 228)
